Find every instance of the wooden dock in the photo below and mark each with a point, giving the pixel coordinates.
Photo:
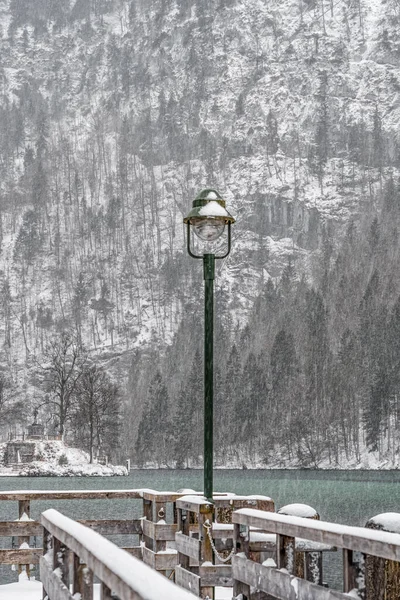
(237, 542)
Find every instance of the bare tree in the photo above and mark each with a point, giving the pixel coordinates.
(10, 410)
(96, 415)
(64, 360)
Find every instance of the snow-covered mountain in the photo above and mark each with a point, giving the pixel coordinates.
(114, 113)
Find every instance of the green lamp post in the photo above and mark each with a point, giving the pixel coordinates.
(208, 219)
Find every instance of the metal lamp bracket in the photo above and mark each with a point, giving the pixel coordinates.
(218, 257)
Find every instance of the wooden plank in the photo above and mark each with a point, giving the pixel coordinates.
(187, 580)
(18, 528)
(53, 585)
(278, 584)
(193, 505)
(237, 502)
(221, 532)
(70, 495)
(377, 543)
(149, 557)
(148, 528)
(159, 531)
(160, 561)
(114, 526)
(188, 546)
(166, 561)
(30, 556)
(155, 496)
(216, 575)
(102, 526)
(135, 551)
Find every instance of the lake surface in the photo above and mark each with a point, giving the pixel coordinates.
(349, 497)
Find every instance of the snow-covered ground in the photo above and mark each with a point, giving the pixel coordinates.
(32, 590)
(55, 458)
(239, 458)
(22, 590)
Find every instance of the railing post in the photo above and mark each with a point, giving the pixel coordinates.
(85, 582)
(313, 567)
(354, 572)
(382, 577)
(308, 565)
(349, 572)
(161, 512)
(24, 507)
(206, 552)
(148, 514)
(47, 547)
(285, 553)
(61, 560)
(241, 542)
(183, 526)
(105, 592)
(75, 573)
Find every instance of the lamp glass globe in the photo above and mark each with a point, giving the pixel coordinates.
(208, 230)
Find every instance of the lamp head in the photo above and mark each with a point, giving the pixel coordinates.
(208, 216)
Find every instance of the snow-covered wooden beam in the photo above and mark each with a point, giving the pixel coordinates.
(119, 572)
(70, 495)
(377, 543)
(278, 584)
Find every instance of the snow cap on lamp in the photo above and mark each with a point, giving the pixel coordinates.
(208, 216)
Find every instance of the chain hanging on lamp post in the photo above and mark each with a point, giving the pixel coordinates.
(208, 219)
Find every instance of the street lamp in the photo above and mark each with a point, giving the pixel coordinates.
(208, 219)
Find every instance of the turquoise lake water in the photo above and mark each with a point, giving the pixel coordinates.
(349, 497)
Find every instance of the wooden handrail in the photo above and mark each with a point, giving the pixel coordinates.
(377, 543)
(118, 571)
(361, 549)
(72, 494)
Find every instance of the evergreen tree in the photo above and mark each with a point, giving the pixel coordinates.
(247, 407)
(272, 134)
(224, 411)
(154, 433)
(188, 423)
(377, 141)
(322, 131)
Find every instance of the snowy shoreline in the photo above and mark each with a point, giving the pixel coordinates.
(53, 458)
(368, 461)
(290, 468)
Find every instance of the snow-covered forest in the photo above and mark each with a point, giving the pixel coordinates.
(113, 114)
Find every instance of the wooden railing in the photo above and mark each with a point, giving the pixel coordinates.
(24, 528)
(201, 542)
(185, 536)
(156, 528)
(74, 555)
(358, 544)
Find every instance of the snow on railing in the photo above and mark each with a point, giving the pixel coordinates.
(363, 551)
(93, 555)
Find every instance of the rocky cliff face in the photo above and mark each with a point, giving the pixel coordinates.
(113, 113)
